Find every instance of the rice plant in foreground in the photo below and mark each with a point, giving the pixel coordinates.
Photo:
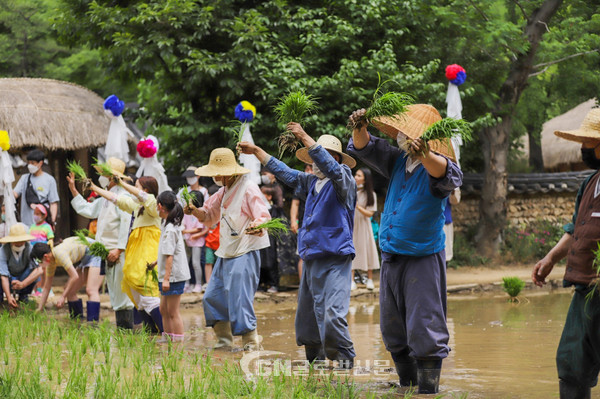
(513, 286)
(293, 107)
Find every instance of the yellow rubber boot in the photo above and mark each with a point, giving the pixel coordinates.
(224, 336)
(251, 341)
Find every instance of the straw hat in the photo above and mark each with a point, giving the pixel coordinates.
(117, 166)
(328, 142)
(221, 163)
(413, 123)
(589, 130)
(17, 233)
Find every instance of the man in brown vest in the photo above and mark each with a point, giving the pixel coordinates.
(578, 354)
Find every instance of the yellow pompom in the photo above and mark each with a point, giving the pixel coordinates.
(4, 140)
(249, 107)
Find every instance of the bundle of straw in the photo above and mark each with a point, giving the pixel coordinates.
(293, 107)
(275, 227)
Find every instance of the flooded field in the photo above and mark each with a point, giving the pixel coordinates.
(499, 349)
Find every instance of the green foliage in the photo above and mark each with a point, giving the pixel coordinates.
(275, 227)
(448, 128)
(96, 248)
(512, 286)
(77, 170)
(186, 196)
(465, 253)
(293, 107)
(529, 243)
(103, 168)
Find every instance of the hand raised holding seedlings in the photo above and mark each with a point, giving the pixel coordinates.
(254, 229)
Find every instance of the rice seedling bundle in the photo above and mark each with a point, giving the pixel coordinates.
(293, 107)
(151, 273)
(79, 173)
(447, 129)
(104, 168)
(275, 227)
(96, 248)
(186, 196)
(512, 286)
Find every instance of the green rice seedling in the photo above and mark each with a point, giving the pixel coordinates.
(103, 168)
(512, 286)
(96, 248)
(151, 273)
(293, 107)
(186, 196)
(275, 227)
(596, 282)
(77, 170)
(448, 128)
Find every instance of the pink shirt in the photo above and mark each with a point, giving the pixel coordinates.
(191, 222)
(253, 205)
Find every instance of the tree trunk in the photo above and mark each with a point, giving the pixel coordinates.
(536, 159)
(495, 139)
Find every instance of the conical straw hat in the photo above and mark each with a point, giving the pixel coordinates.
(221, 163)
(413, 123)
(328, 142)
(589, 130)
(116, 165)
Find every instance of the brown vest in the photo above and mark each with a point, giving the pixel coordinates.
(580, 259)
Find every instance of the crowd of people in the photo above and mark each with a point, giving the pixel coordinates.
(161, 245)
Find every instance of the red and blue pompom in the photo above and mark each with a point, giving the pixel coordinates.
(245, 112)
(456, 74)
(114, 105)
(147, 148)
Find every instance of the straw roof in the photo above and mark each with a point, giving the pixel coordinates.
(51, 114)
(557, 151)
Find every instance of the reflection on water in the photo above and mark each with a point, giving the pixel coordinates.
(499, 349)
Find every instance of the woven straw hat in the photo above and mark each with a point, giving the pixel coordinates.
(589, 130)
(117, 166)
(17, 233)
(221, 163)
(328, 142)
(413, 123)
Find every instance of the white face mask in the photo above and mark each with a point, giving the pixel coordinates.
(17, 250)
(103, 181)
(317, 172)
(265, 179)
(38, 218)
(32, 168)
(191, 180)
(218, 182)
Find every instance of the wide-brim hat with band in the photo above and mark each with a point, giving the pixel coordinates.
(17, 233)
(116, 165)
(221, 163)
(413, 123)
(328, 142)
(190, 172)
(588, 131)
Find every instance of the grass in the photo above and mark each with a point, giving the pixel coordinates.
(50, 358)
(293, 107)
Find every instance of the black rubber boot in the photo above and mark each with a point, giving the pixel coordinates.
(314, 353)
(93, 311)
(148, 323)
(157, 317)
(137, 317)
(124, 319)
(568, 391)
(76, 309)
(406, 367)
(428, 375)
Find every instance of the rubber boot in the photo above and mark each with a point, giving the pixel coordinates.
(149, 325)
(76, 309)
(314, 353)
(224, 336)
(157, 317)
(568, 391)
(406, 367)
(124, 319)
(251, 341)
(137, 317)
(93, 311)
(428, 375)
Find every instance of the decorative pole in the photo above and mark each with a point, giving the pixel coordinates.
(456, 76)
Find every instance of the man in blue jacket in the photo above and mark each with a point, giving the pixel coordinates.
(412, 293)
(324, 243)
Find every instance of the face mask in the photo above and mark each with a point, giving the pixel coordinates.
(588, 156)
(265, 179)
(218, 182)
(191, 181)
(38, 218)
(103, 181)
(317, 172)
(32, 169)
(16, 249)
(360, 186)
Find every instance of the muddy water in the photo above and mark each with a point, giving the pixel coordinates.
(499, 349)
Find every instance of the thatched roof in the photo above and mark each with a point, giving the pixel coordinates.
(51, 114)
(557, 151)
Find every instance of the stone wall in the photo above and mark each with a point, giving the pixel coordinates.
(522, 209)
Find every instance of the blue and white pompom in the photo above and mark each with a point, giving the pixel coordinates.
(114, 105)
(245, 111)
